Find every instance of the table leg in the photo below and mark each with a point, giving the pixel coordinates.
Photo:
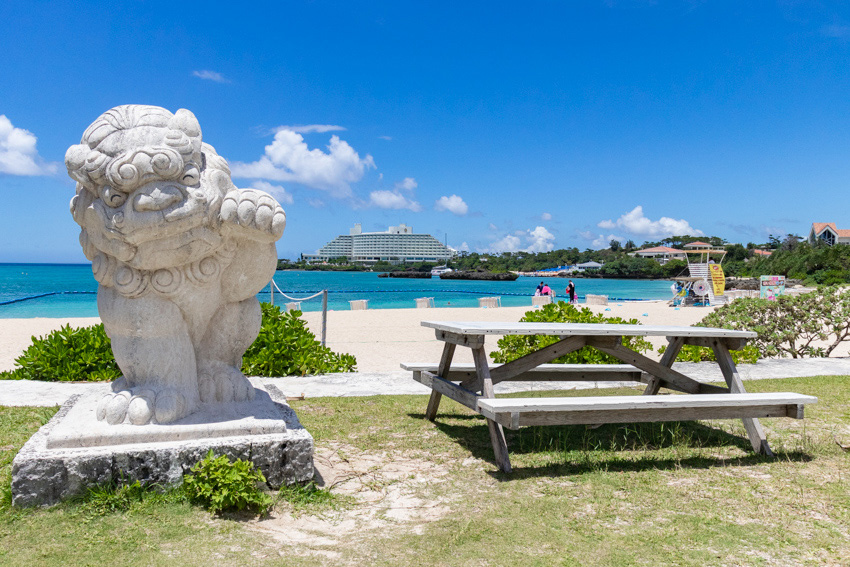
(442, 372)
(497, 434)
(669, 357)
(730, 373)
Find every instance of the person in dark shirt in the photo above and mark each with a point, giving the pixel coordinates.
(539, 290)
(571, 291)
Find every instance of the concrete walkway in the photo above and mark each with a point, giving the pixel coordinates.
(32, 393)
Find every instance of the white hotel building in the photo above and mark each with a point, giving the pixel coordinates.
(396, 245)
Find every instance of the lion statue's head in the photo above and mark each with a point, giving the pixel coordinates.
(149, 191)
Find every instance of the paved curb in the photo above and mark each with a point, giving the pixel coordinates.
(46, 394)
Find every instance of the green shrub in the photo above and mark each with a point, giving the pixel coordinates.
(286, 347)
(512, 347)
(67, 355)
(220, 485)
(691, 353)
(791, 324)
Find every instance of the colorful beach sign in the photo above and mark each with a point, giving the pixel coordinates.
(718, 279)
(771, 287)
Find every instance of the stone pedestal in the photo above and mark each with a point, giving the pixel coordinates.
(74, 450)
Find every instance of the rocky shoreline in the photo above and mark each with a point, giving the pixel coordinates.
(480, 276)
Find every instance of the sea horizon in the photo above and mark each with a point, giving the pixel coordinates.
(30, 290)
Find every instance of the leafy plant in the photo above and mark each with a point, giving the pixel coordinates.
(512, 347)
(219, 485)
(67, 355)
(286, 347)
(691, 353)
(790, 325)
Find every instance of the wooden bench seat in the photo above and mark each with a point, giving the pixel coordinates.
(552, 372)
(514, 413)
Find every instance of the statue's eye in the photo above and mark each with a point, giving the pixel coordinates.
(112, 197)
(191, 175)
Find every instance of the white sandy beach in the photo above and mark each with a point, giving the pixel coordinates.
(379, 338)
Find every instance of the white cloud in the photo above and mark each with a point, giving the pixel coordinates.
(18, 154)
(288, 158)
(541, 240)
(316, 203)
(393, 200)
(453, 204)
(387, 138)
(308, 128)
(464, 247)
(509, 243)
(538, 239)
(599, 241)
(546, 216)
(210, 76)
(635, 223)
(493, 227)
(276, 191)
(408, 184)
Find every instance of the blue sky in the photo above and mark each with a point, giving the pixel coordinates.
(498, 126)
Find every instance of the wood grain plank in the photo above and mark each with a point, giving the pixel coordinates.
(534, 359)
(497, 435)
(730, 373)
(442, 371)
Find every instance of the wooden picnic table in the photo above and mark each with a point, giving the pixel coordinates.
(472, 385)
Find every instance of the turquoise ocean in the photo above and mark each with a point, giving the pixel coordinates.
(69, 290)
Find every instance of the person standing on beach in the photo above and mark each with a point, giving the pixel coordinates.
(571, 291)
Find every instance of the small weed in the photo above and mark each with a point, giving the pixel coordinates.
(220, 485)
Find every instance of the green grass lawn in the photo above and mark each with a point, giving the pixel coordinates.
(412, 492)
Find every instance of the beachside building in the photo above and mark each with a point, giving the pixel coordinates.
(662, 254)
(396, 245)
(827, 232)
(701, 246)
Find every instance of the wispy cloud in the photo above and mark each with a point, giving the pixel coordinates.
(288, 158)
(407, 184)
(387, 138)
(546, 216)
(836, 31)
(208, 75)
(18, 153)
(276, 191)
(308, 128)
(454, 204)
(599, 241)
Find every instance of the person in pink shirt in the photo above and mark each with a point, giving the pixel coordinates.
(546, 290)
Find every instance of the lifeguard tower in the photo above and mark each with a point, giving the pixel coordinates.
(706, 282)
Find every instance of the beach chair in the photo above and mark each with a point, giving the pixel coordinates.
(424, 302)
(541, 300)
(489, 302)
(293, 306)
(359, 304)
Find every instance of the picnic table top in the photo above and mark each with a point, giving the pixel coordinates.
(582, 329)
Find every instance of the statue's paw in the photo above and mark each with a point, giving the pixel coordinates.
(254, 210)
(140, 406)
(225, 384)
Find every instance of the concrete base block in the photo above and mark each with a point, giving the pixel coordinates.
(74, 451)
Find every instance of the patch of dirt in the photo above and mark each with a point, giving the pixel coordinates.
(390, 493)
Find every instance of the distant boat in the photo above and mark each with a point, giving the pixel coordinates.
(439, 271)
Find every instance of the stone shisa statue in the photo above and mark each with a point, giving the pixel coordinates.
(180, 254)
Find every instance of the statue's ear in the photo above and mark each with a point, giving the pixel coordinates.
(186, 122)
